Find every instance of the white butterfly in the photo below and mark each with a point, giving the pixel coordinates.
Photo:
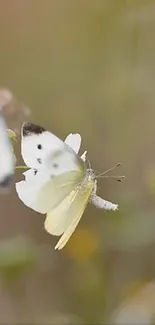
(7, 159)
(58, 182)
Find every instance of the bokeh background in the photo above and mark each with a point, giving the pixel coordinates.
(84, 66)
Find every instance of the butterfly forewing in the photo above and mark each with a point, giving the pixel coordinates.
(42, 194)
(42, 149)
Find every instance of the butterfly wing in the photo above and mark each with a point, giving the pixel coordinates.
(41, 149)
(56, 169)
(74, 141)
(7, 159)
(66, 216)
(58, 220)
(42, 193)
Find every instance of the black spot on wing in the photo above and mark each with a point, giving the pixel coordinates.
(39, 146)
(35, 171)
(55, 165)
(30, 128)
(39, 161)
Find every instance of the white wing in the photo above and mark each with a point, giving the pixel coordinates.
(28, 191)
(42, 149)
(66, 216)
(56, 169)
(7, 159)
(74, 141)
(42, 193)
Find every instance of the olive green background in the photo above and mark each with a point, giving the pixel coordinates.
(84, 66)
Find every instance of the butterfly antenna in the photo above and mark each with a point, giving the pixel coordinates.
(109, 170)
(115, 178)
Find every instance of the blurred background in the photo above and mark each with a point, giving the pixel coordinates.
(84, 66)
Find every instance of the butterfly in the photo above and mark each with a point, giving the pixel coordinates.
(7, 159)
(58, 183)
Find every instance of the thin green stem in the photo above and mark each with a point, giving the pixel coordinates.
(22, 167)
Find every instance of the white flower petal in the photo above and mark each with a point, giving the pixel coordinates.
(103, 204)
(74, 141)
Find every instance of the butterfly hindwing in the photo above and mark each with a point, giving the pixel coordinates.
(54, 191)
(66, 216)
(58, 220)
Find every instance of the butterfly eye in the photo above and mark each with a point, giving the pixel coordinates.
(39, 146)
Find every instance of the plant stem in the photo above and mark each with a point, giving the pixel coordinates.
(22, 167)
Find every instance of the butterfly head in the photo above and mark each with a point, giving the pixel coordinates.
(90, 173)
